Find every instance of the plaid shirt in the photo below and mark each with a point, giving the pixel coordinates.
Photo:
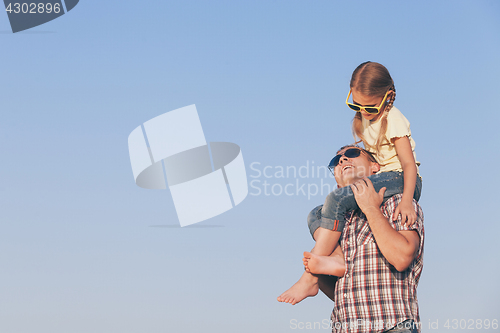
(373, 296)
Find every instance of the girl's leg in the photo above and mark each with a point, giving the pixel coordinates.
(334, 264)
(326, 238)
(341, 201)
(307, 285)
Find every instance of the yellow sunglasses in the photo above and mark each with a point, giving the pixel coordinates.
(368, 109)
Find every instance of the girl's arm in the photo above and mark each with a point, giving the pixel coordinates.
(405, 155)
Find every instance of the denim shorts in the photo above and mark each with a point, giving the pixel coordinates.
(331, 215)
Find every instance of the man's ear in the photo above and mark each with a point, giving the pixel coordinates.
(375, 167)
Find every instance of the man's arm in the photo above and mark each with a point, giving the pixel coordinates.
(398, 247)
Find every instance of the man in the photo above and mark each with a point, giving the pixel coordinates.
(383, 258)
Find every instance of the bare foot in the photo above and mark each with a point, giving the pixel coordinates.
(330, 265)
(306, 286)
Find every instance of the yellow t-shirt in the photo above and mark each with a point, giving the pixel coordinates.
(397, 126)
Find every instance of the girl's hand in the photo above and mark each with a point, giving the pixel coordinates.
(408, 215)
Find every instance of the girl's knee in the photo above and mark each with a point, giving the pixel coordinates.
(314, 215)
(335, 196)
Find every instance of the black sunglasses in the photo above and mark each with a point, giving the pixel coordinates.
(349, 153)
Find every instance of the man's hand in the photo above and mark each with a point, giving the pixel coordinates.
(366, 196)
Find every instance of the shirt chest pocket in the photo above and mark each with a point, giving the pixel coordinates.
(364, 234)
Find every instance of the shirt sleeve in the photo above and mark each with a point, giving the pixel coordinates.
(390, 207)
(397, 125)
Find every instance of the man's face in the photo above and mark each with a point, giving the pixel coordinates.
(349, 170)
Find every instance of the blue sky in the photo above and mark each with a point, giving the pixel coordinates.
(83, 249)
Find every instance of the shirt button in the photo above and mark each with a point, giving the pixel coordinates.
(347, 275)
(345, 295)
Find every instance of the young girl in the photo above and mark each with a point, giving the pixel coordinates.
(385, 132)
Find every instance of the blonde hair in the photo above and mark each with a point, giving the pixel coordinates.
(372, 79)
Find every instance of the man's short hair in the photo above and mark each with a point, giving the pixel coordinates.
(371, 157)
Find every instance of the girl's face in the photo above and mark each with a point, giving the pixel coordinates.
(365, 100)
